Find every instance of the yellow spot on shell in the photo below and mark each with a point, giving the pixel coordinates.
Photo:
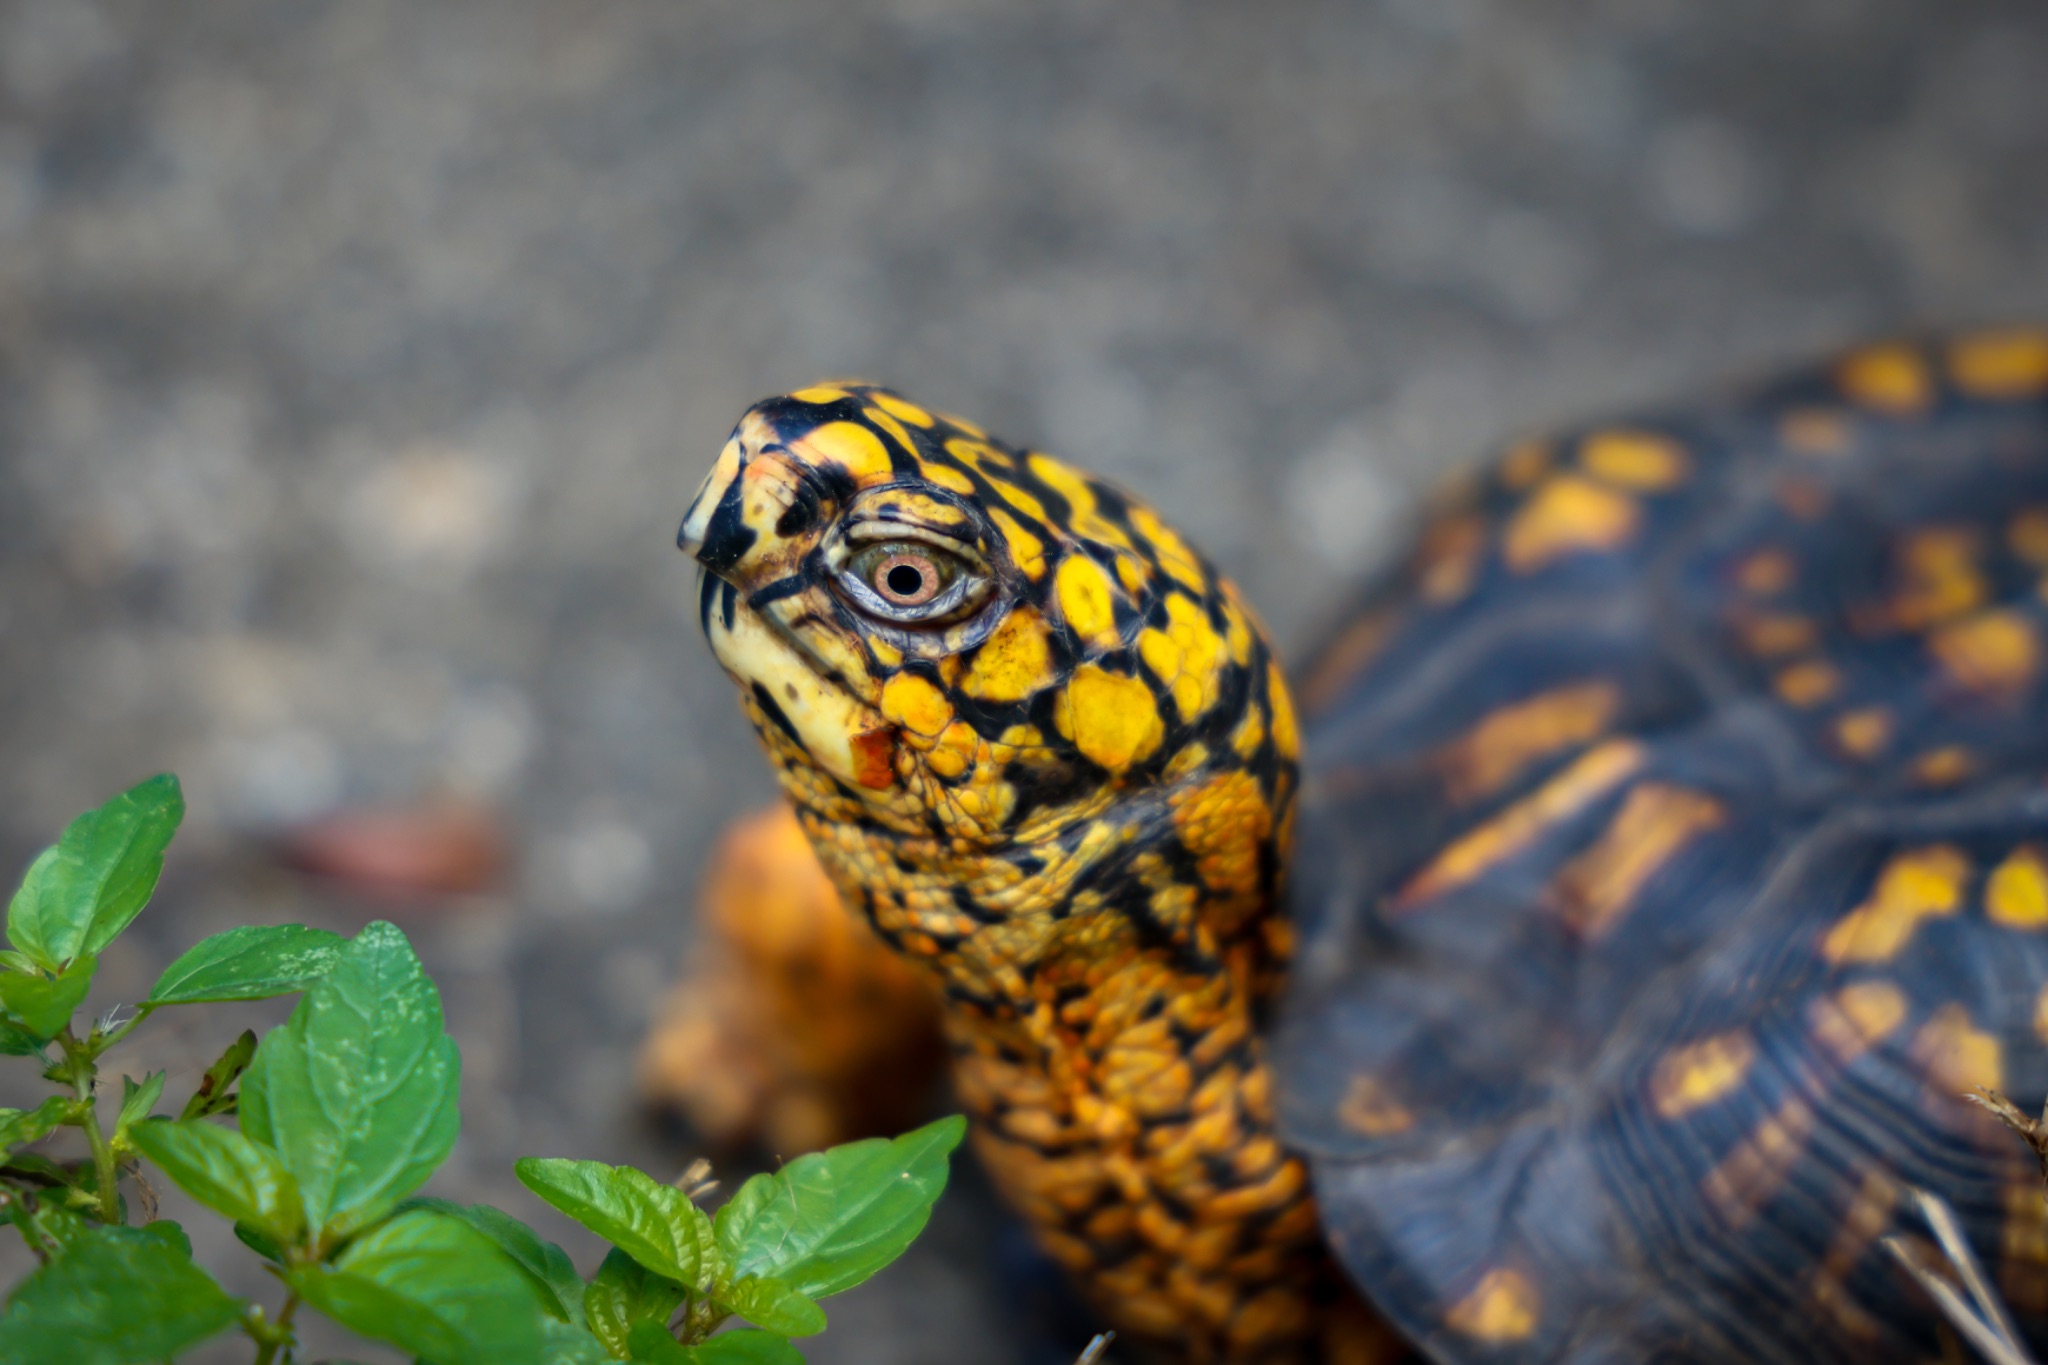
(1748, 1176)
(820, 393)
(916, 704)
(1596, 889)
(1014, 662)
(851, 445)
(1863, 733)
(1959, 1057)
(1524, 464)
(1943, 767)
(2028, 536)
(1694, 1076)
(900, 409)
(2017, 894)
(1447, 561)
(2001, 365)
(1892, 379)
(1857, 1017)
(1369, 1108)
(1467, 858)
(1568, 515)
(1815, 431)
(1773, 634)
(1503, 1308)
(1995, 653)
(1941, 577)
(1640, 460)
(1766, 572)
(1111, 719)
(1087, 600)
(1497, 750)
(1924, 883)
(1809, 682)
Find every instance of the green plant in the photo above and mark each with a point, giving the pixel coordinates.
(340, 1114)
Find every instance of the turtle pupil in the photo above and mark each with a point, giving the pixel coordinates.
(905, 580)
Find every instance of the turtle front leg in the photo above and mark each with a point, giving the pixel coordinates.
(793, 1027)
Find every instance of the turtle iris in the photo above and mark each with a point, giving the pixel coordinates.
(911, 582)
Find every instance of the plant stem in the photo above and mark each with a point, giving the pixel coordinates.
(272, 1335)
(83, 1075)
(118, 1034)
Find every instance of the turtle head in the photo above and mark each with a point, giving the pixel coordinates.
(976, 652)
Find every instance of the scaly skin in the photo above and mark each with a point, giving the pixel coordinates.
(1063, 786)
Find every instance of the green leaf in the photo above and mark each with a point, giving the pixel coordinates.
(564, 1343)
(16, 1041)
(137, 1101)
(19, 1127)
(654, 1346)
(85, 888)
(215, 1094)
(259, 1242)
(655, 1224)
(553, 1274)
(827, 1221)
(357, 1090)
(45, 1004)
(115, 1296)
(774, 1305)
(227, 1172)
(435, 1288)
(623, 1293)
(44, 1226)
(254, 962)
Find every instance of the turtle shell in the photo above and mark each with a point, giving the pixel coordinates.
(1674, 857)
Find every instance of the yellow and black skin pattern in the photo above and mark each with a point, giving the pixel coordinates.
(1044, 748)
(1674, 856)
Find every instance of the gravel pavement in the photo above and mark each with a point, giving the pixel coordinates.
(357, 361)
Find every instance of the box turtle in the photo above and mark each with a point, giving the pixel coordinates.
(1669, 839)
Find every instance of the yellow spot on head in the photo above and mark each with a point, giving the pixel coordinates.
(1027, 551)
(820, 393)
(945, 476)
(1370, 1109)
(1174, 555)
(1893, 379)
(1959, 1057)
(1697, 1074)
(1924, 883)
(916, 704)
(2001, 365)
(1111, 719)
(1640, 460)
(1503, 1308)
(1286, 738)
(900, 409)
(1858, 1016)
(1507, 740)
(1087, 600)
(2017, 894)
(1568, 515)
(852, 446)
(1994, 653)
(1809, 682)
(1013, 662)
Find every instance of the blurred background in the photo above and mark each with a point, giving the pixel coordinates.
(358, 360)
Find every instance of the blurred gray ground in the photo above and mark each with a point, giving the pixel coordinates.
(357, 361)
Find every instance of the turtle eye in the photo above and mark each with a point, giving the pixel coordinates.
(911, 582)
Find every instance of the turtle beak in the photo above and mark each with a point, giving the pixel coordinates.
(713, 531)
